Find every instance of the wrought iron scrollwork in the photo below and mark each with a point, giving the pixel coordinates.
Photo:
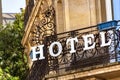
(43, 26)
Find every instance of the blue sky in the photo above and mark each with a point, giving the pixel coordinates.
(12, 6)
(116, 9)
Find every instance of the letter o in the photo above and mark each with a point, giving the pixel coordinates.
(59, 49)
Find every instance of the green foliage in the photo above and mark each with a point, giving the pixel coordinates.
(13, 64)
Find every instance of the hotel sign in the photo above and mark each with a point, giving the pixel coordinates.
(88, 44)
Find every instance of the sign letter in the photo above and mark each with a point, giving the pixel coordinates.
(72, 40)
(35, 52)
(88, 41)
(103, 40)
(59, 49)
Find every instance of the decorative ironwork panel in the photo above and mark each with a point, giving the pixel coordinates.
(44, 25)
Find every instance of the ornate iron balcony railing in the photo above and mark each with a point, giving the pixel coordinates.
(83, 58)
(66, 61)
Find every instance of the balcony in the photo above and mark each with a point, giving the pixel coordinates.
(81, 60)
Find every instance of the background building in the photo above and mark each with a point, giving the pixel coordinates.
(8, 18)
(47, 21)
(9, 11)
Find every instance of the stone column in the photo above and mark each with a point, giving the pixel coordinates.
(108, 10)
(66, 14)
(59, 16)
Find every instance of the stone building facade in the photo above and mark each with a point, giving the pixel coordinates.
(47, 21)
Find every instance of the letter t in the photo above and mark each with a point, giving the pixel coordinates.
(72, 44)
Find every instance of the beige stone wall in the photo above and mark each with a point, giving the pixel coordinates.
(79, 14)
(76, 14)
